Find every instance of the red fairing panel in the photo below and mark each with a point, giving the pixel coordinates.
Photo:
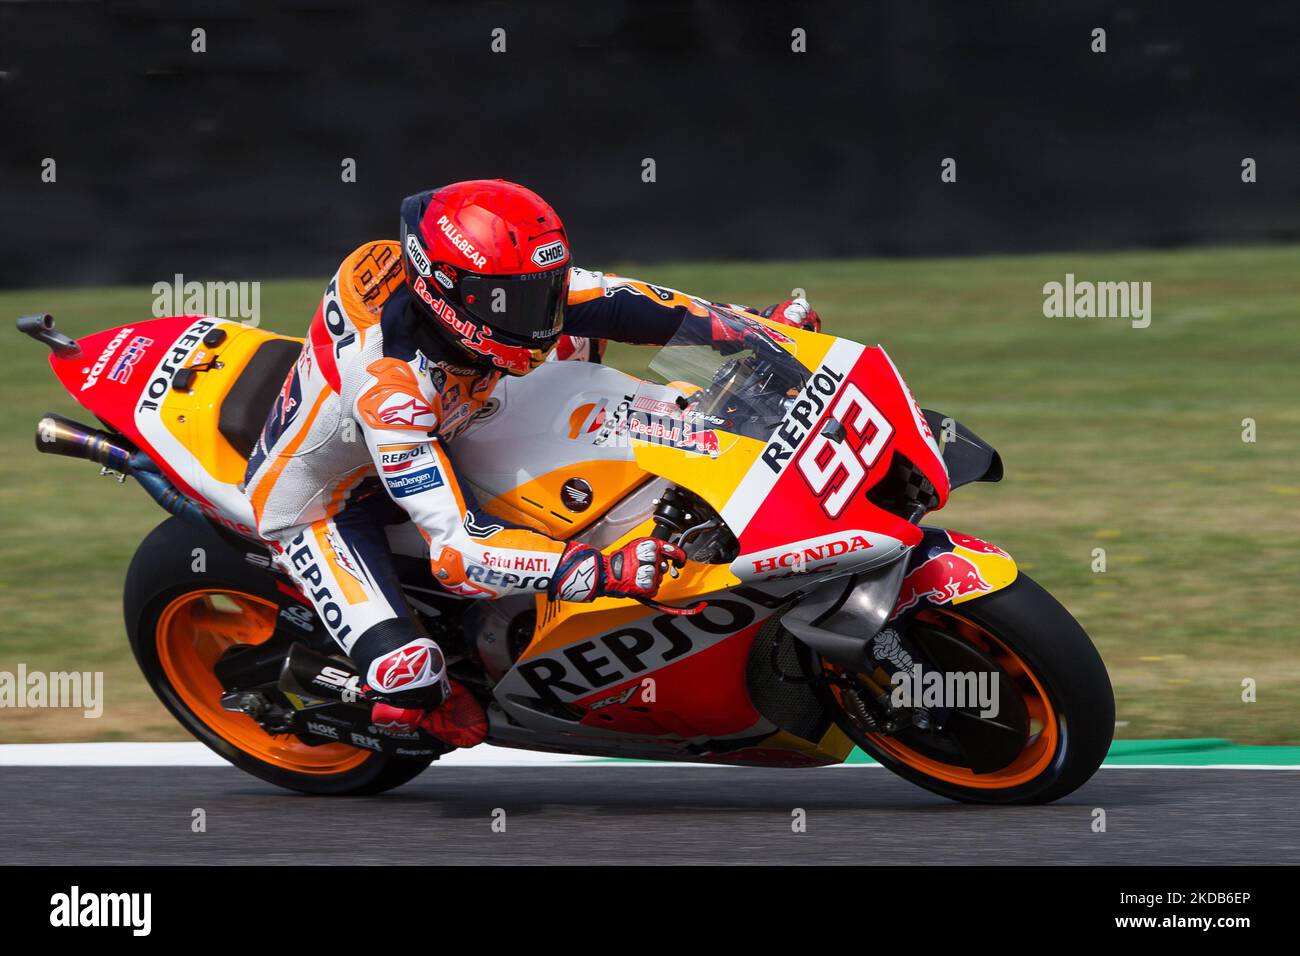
(702, 695)
(822, 486)
(124, 369)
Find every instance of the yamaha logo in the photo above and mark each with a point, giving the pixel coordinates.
(576, 494)
(416, 254)
(550, 254)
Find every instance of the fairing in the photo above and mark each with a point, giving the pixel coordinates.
(788, 460)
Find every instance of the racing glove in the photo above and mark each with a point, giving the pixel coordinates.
(459, 720)
(796, 312)
(634, 570)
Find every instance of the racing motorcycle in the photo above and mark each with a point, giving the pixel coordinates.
(816, 613)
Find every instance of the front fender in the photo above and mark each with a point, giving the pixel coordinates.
(840, 618)
(949, 567)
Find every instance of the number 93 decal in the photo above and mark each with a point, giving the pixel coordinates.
(835, 470)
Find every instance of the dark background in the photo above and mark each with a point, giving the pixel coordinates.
(226, 164)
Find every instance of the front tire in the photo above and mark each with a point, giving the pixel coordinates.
(180, 621)
(1065, 709)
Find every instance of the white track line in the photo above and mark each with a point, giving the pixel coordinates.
(194, 754)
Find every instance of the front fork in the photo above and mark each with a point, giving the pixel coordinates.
(864, 633)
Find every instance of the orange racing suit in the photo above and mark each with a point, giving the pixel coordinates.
(366, 411)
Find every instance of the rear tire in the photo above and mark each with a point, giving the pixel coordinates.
(177, 619)
(1070, 684)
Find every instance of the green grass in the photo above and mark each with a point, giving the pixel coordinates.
(1113, 437)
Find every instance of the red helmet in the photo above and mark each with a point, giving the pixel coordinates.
(487, 262)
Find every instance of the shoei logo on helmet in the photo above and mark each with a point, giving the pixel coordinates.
(550, 253)
(460, 242)
(416, 254)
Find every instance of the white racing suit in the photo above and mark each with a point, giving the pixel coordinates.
(360, 426)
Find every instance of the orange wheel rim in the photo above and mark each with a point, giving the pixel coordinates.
(1044, 730)
(194, 630)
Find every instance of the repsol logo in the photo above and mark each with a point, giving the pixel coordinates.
(799, 420)
(584, 668)
(308, 568)
(173, 361)
(481, 575)
(332, 308)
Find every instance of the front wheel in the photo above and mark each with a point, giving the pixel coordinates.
(180, 623)
(1056, 713)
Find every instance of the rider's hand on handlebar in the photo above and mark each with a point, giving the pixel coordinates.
(796, 312)
(634, 570)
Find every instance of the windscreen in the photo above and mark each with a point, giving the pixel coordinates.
(722, 372)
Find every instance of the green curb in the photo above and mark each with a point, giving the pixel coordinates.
(1201, 752)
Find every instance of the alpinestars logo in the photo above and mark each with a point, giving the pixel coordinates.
(476, 530)
(580, 583)
(411, 413)
(417, 664)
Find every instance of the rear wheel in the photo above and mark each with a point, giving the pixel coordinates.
(180, 623)
(1056, 713)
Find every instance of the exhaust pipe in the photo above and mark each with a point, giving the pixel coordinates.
(56, 435)
(309, 673)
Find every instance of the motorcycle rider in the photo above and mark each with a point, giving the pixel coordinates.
(407, 344)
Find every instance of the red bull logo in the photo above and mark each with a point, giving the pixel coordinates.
(704, 441)
(975, 544)
(939, 580)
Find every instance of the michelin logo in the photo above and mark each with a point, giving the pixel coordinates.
(401, 486)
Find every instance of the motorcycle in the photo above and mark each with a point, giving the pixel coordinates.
(816, 614)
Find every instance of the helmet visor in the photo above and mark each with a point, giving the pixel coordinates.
(527, 307)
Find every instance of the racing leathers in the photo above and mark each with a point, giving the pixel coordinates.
(356, 440)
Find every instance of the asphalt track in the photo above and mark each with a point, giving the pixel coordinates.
(637, 814)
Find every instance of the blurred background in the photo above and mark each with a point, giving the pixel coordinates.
(227, 163)
(773, 169)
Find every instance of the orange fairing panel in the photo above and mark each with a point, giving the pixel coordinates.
(562, 502)
(560, 623)
(714, 478)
